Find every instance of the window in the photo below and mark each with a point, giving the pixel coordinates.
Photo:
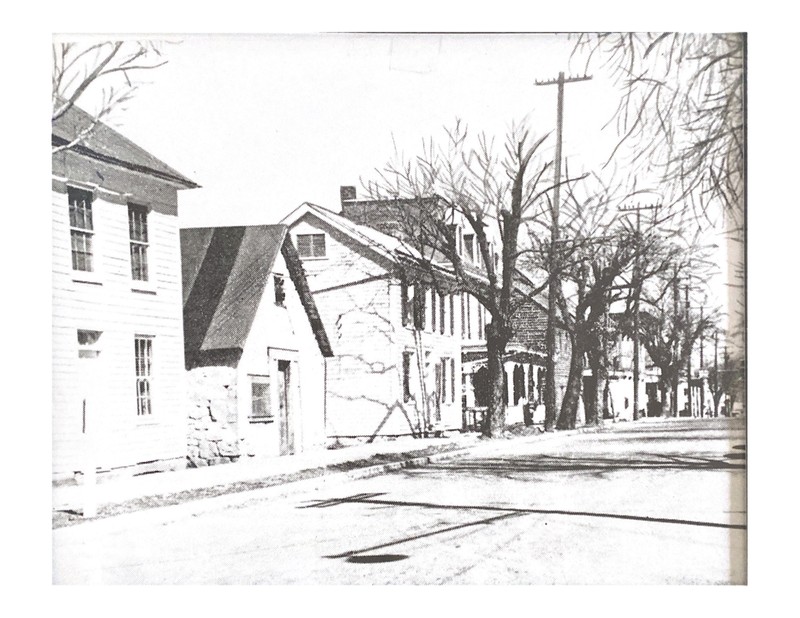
(88, 343)
(469, 247)
(407, 301)
(452, 380)
(481, 320)
(280, 292)
(452, 314)
(81, 228)
(260, 405)
(137, 226)
(420, 292)
(469, 317)
(463, 316)
(442, 313)
(311, 245)
(144, 375)
(433, 310)
(407, 376)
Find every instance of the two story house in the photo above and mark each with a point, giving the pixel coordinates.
(410, 346)
(118, 400)
(524, 361)
(396, 339)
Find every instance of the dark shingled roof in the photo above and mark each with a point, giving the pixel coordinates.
(106, 144)
(225, 273)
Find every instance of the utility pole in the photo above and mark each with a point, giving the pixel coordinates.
(716, 374)
(688, 356)
(702, 379)
(637, 289)
(675, 346)
(550, 378)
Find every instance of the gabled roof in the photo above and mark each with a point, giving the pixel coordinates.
(385, 245)
(225, 273)
(107, 145)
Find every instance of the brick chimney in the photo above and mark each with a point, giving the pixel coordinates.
(347, 194)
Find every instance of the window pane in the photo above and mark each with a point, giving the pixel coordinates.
(318, 242)
(81, 251)
(139, 262)
(137, 223)
(304, 245)
(280, 292)
(260, 401)
(143, 348)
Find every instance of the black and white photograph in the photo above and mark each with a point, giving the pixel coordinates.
(399, 308)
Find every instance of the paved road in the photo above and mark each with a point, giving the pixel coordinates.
(650, 502)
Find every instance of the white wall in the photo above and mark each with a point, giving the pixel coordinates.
(111, 303)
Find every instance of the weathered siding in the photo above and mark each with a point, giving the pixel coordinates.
(108, 300)
(359, 300)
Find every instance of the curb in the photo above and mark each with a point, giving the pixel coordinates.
(166, 514)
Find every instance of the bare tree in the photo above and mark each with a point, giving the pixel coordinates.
(495, 193)
(112, 68)
(607, 260)
(668, 328)
(681, 109)
(681, 117)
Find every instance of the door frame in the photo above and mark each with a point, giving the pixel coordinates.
(289, 423)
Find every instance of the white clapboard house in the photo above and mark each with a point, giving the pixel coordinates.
(118, 401)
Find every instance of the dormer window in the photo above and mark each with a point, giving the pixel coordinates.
(311, 245)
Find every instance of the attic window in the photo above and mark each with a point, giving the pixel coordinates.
(280, 292)
(311, 245)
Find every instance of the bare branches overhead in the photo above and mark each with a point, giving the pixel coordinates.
(110, 70)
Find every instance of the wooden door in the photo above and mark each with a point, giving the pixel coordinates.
(285, 411)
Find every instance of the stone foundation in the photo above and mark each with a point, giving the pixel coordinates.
(213, 436)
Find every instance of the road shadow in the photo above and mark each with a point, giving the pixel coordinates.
(510, 467)
(503, 513)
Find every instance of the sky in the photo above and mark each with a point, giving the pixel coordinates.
(266, 122)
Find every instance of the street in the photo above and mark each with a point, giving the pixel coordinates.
(651, 502)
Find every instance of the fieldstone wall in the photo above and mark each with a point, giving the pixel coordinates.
(213, 436)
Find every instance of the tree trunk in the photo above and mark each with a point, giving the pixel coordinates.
(600, 389)
(593, 400)
(569, 406)
(495, 419)
(665, 398)
(673, 408)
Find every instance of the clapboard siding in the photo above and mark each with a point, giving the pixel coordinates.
(112, 305)
(358, 298)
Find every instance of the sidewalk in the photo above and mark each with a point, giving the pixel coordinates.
(198, 488)
(250, 473)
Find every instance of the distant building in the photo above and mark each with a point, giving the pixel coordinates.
(255, 345)
(117, 332)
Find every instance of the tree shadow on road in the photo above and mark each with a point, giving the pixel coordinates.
(528, 465)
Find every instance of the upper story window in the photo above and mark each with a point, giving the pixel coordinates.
(469, 247)
(280, 291)
(81, 228)
(407, 302)
(420, 294)
(139, 240)
(311, 245)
